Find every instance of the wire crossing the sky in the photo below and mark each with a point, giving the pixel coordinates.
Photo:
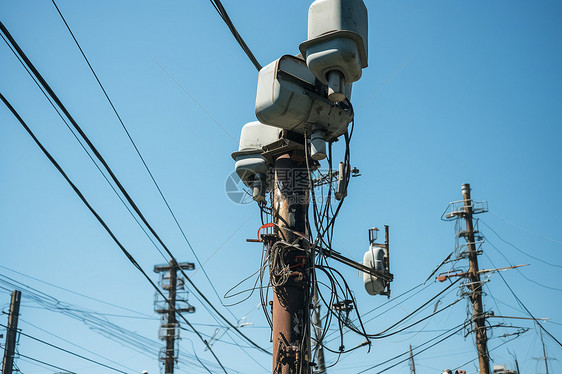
(67, 351)
(224, 15)
(102, 222)
(117, 182)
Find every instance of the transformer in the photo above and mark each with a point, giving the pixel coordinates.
(374, 258)
(377, 259)
(288, 98)
(336, 49)
(250, 165)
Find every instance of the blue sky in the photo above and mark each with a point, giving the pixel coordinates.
(455, 92)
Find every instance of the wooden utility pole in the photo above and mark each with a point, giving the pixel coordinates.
(11, 333)
(478, 316)
(544, 352)
(289, 268)
(171, 326)
(412, 365)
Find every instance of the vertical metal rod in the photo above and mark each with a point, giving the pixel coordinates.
(171, 321)
(291, 299)
(475, 286)
(11, 333)
(321, 368)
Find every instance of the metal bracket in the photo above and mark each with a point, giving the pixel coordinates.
(279, 147)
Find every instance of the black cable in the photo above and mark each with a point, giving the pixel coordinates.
(66, 351)
(117, 182)
(74, 344)
(421, 320)
(224, 15)
(46, 363)
(49, 99)
(108, 329)
(77, 293)
(526, 309)
(415, 354)
(137, 150)
(476, 358)
(417, 309)
(393, 300)
(102, 222)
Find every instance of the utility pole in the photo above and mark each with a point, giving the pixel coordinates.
(544, 357)
(478, 316)
(299, 99)
(412, 365)
(169, 328)
(11, 333)
(291, 283)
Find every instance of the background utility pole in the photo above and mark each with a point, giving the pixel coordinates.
(11, 333)
(478, 316)
(169, 329)
(412, 365)
(544, 357)
(291, 297)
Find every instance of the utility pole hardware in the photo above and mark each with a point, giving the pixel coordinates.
(11, 333)
(478, 316)
(465, 209)
(177, 303)
(303, 104)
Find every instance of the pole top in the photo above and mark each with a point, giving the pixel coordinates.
(466, 187)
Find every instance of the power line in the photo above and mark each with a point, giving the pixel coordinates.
(50, 100)
(456, 328)
(47, 364)
(101, 221)
(524, 307)
(107, 329)
(520, 272)
(519, 249)
(76, 293)
(474, 359)
(97, 166)
(135, 147)
(116, 180)
(67, 351)
(74, 344)
(224, 15)
(526, 230)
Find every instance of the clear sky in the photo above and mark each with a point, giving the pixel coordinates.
(455, 92)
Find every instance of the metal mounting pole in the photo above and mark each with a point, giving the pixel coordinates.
(478, 316)
(291, 291)
(11, 333)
